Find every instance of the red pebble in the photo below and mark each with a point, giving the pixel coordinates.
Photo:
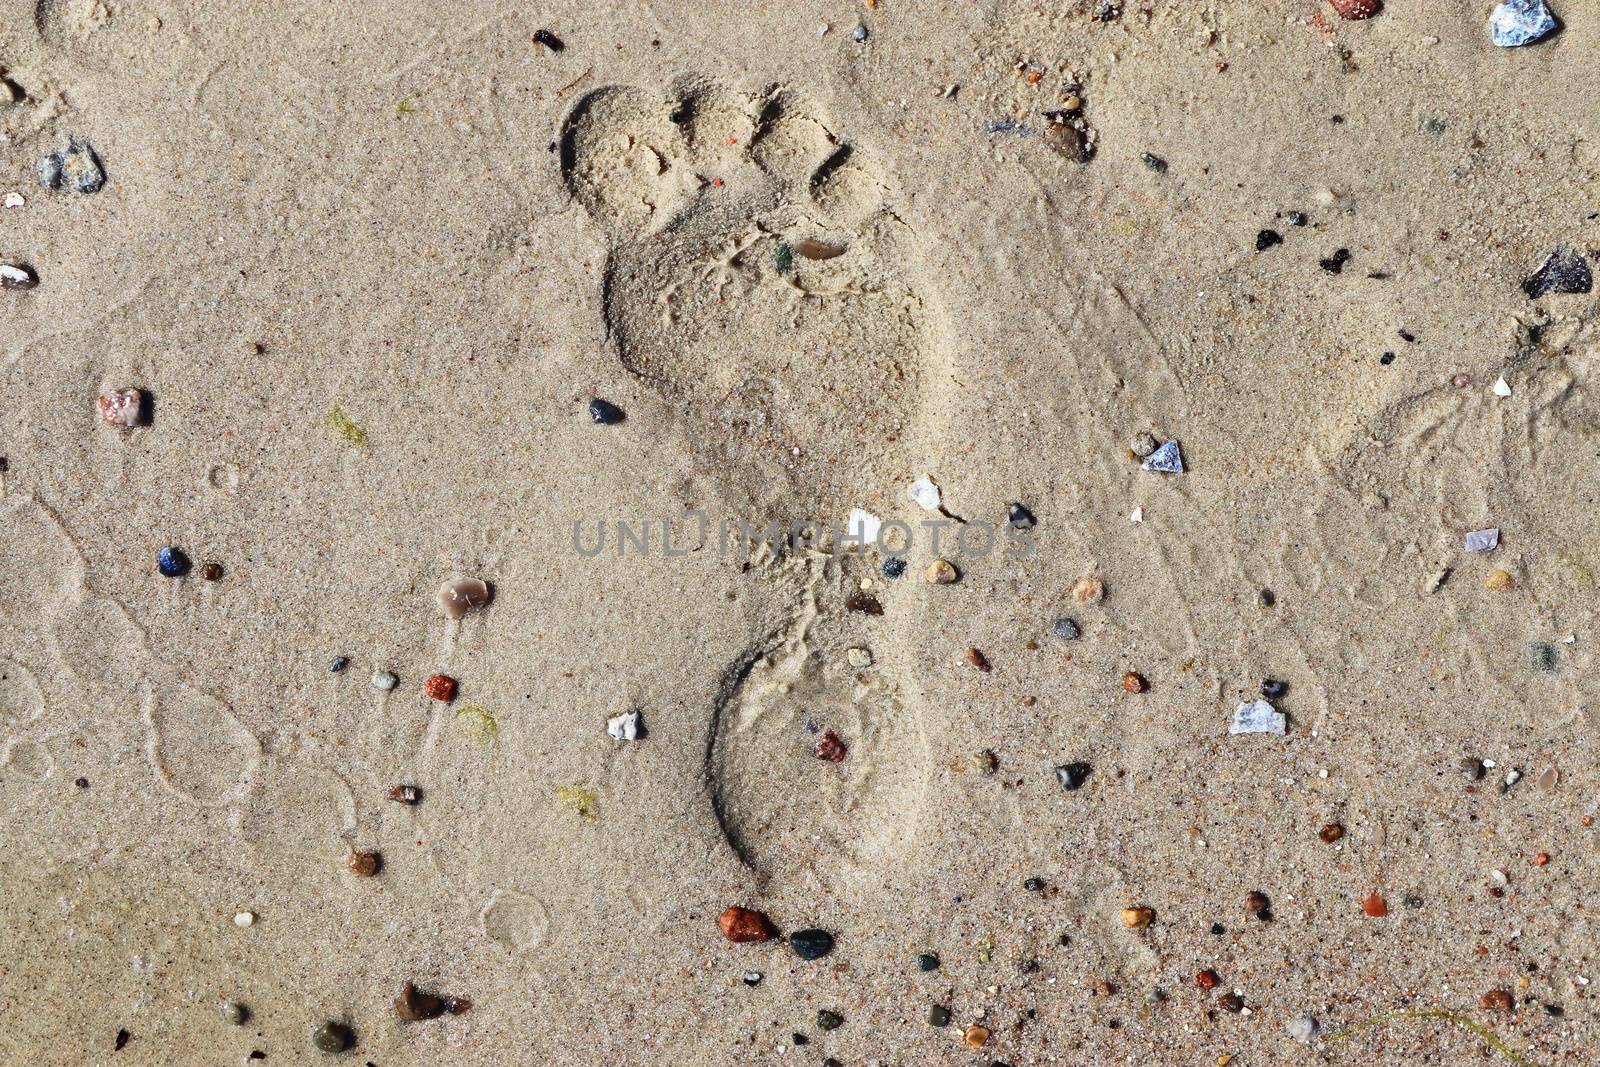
(741, 925)
(1207, 979)
(830, 748)
(1355, 10)
(440, 687)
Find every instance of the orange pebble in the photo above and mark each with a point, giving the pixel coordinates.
(440, 687)
(1375, 906)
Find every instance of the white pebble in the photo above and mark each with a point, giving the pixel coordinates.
(244, 918)
(624, 727)
(925, 493)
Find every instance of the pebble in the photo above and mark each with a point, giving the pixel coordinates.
(1168, 459)
(413, 1005)
(405, 794)
(1519, 22)
(859, 658)
(752, 978)
(858, 34)
(1563, 272)
(440, 687)
(122, 408)
(1375, 906)
(829, 1020)
(938, 1015)
(1331, 833)
(927, 962)
(18, 276)
(384, 680)
(211, 572)
(1496, 1000)
(1482, 540)
(604, 412)
(812, 944)
(1133, 682)
(363, 864)
(1020, 517)
(75, 167)
(1073, 775)
(1154, 163)
(829, 748)
(1473, 768)
(1137, 918)
(332, 1037)
(1356, 10)
(244, 919)
(338, 663)
(624, 727)
(1267, 239)
(744, 925)
(1258, 904)
(1257, 717)
(234, 1012)
(1303, 1028)
(172, 562)
(1498, 581)
(1296, 218)
(975, 1035)
(1231, 1002)
(894, 566)
(1087, 591)
(1143, 444)
(462, 596)
(978, 660)
(942, 572)
(1207, 979)
(1065, 629)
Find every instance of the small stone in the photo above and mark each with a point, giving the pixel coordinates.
(244, 919)
(405, 794)
(1543, 657)
(1501, 388)
(829, 1020)
(1303, 1028)
(1207, 979)
(1356, 10)
(1231, 1002)
(234, 1012)
(977, 660)
(894, 566)
(1375, 906)
(1217, 929)
(859, 34)
(74, 168)
(1137, 918)
(1065, 629)
(1086, 591)
(1295, 218)
(211, 572)
(415, 1006)
(976, 1036)
(1068, 139)
(1334, 264)
(1033, 885)
(384, 680)
(172, 562)
(1267, 239)
(927, 962)
(1154, 163)
(1549, 779)
(752, 978)
(1107, 11)
(624, 727)
(1482, 540)
(604, 412)
(17, 276)
(1331, 833)
(829, 748)
(1519, 22)
(363, 864)
(1133, 682)
(1168, 459)
(549, 40)
(332, 1037)
(462, 596)
(440, 687)
(1258, 904)
(938, 1015)
(1272, 688)
(1258, 717)
(811, 944)
(941, 572)
(122, 408)
(925, 494)
(859, 658)
(744, 925)
(1498, 581)
(1563, 272)
(1020, 517)
(338, 663)
(1267, 598)
(863, 603)
(1073, 775)
(1496, 1000)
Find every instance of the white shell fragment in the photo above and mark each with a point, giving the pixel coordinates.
(1136, 515)
(624, 727)
(863, 526)
(1165, 460)
(925, 493)
(1482, 540)
(1501, 387)
(14, 200)
(1257, 717)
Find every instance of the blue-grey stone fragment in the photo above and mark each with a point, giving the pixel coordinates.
(1520, 22)
(1166, 459)
(1563, 271)
(1257, 717)
(75, 167)
(1482, 540)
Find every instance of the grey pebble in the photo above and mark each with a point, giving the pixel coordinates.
(385, 680)
(75, 167)
(1065, 629)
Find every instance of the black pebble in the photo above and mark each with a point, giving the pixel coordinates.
(1268, 598)
(1386, 359)
(927, 962)
(1073, 775)
(549, 40)
(339, 663)
(1267, 238)
(1218, 929)
(1155, 163)
(604, 412)
(82, 783)
(894, 566)
(1033, 885)
(865, 603)
(1408, 337)
(1296, 218)
(1020, 517)
(811, 944)
(800, 1039)
(1563, 271)
(1272, 689)
(1335, 263)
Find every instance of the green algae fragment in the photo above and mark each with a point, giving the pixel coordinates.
(405, 107)
(1581, 573)
(783, 258)
(579, 801)
(479, 724)
(346, 427)
(1483, 1032)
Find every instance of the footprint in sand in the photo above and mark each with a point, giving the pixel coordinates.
(757, 281)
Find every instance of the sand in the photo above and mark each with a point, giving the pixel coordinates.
(369, 263)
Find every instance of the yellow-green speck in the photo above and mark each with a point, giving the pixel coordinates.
(579, 801)
(346, 427)
(405, 107)
(479, 724)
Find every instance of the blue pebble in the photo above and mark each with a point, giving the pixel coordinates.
(894, 566)
(1166, 459)
(1520, 22)
(172, 562)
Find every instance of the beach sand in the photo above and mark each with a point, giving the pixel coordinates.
(368, 265)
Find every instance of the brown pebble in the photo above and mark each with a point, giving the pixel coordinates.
(975, 1035)
(405, 794)
(1257, 903)
(363, 864)
(461, 596)
(1088, 591)
(1137, 918)
(1133, 682)
(741, 925)
(1207, 979)
(1331, 833)
(1496, 1000)
(830, 748)
(211, 572)
(1375, 906)
(413, 1005)
(1541, 859)
(1231, 1002)
(941, 572)
(978, 660)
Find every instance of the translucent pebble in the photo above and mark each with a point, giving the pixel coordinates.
(462, 596)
